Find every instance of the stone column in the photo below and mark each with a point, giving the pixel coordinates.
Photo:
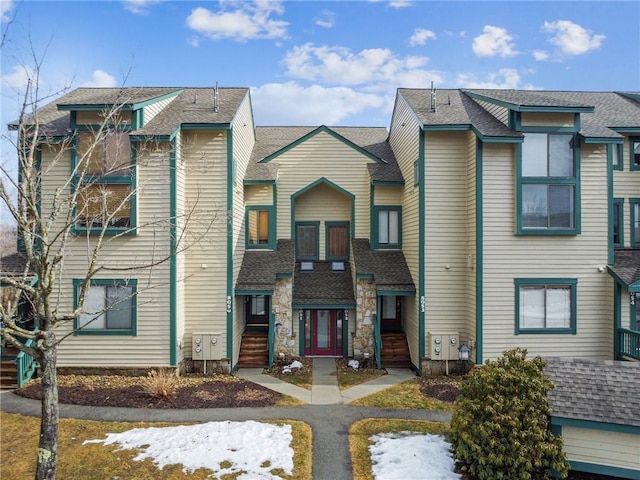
(285, 340)
(366, 306)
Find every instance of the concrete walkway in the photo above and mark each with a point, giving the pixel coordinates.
(329, 418)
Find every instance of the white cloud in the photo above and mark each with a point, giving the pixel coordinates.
(100, 78)
(372, 67)
(293, 104)
(326, 19)
(420, 36)
(243, 21)
(19, 77)
(540, 55)
(139, 7)
(5, 7)
(399, 3)
(494, 41)
(571, 38)
(503, 78)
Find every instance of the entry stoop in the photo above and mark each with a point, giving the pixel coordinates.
(254, 351)
(395, 350)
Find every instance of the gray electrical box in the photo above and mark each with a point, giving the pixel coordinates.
(444, 346)
(206, 346)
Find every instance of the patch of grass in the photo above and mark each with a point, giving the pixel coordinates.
(361, 431)
(404, 395)
(348, 379)
(79, 462)
(300, 377)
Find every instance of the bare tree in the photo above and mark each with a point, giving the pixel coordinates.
(79, 210)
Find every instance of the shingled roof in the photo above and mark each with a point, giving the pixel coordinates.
(595, 390)
(260, 268)
(191, 105)
(323, 287)
(626, 266)
(600, 112)
(373, 140)
(14, 265)
(388, 267)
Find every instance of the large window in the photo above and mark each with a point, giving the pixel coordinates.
(617, 220)
(307, 240)
(635, 222)
(104, 183)
(545, 305)
(635, 153)
(260, 228)
(548, 184)
(109, 307)
(387, 227)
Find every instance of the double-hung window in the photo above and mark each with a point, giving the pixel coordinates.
(635, 153)
(635, 222)
(617, 221)
(387, 227)
(109, 307)
(616, 156)
(545, 305)
(307, 241)
(104, 182)
(260, 227)
(548, 184)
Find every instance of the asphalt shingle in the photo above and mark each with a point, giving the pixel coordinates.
(388, 267)
(260, 268)
(323, 286)
(626, 265)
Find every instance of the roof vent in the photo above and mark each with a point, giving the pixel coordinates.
(433, 99)
(216, 108)
(337, 266)
(306, 266)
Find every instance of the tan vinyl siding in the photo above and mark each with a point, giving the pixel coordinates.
(323, 156)
(599, 447)
(446, 270)
(181, 222)
(508, 256)
(387, 195)
(626, 185)
(258, 195)
(205, 156)
(533, 119)
(152, 110)
(625, 310)
(96, 118)
(501, 113)
(150, 346)
(404, 138)
(243, 141)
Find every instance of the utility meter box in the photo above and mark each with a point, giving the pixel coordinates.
(444, 346)
(206, 346)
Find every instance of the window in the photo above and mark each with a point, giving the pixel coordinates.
(635, 154)
(618, 222)
(548, 184)
(307, 240)
(416, 173)
(104, 183)
(545, 305)
(635, 222)
(616, 156)
(259, 230)
(387, 227)
(257, 312)
(109, 307)
(337, 240)
(635, 312)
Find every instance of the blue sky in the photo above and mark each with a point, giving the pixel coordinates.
(333, 63)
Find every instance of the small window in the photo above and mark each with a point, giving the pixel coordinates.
(617, 221)
(257, 228)
(616, 156)
(416, 173)
(337, 266)
(635, 154)
(388, 227)
(306, 266)
(307, 241)
(545, 306)
(109, 307)
(635, 222)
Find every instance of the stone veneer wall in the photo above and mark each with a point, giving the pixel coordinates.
(286, 339)
(366, 305)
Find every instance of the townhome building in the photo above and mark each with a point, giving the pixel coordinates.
(487, 219)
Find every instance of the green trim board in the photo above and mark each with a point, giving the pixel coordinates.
(617, 214)
(572, 283)
(173, 251)
(422, 138)
(131, 282)
(313, 133)
(251, 293)
(549, 181)
(594, 425)
(617, 318)
(395, 293)
(479, 251)
(610, 205)
(618, 472)
(229, 249)
(271, 242)
(634, 225)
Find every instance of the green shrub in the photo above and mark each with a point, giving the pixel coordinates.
(501, 428)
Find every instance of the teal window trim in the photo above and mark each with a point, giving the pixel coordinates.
(133, 283)
(550, 181)
(634, 214)
(375, 233)
(634, 309)
(616, 152)
(271, 242)
(326, 238)
(416, 174)
(88, 180)
(617, 214)
(572, 283)
(315, 257)
(634, 160)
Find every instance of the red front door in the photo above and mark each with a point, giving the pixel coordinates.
(323, 332)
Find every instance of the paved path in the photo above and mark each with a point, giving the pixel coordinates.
(329, 418)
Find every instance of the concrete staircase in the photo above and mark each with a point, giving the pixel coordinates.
(395, 350)
(254, 351)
